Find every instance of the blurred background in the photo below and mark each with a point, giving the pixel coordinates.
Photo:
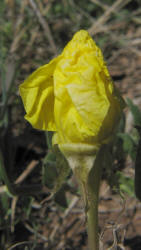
(31, 217)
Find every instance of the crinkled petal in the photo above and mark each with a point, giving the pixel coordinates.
(92, 107)
(79, 72)
(37, 94)
(41, 116)
(73, 128)
(74, 95)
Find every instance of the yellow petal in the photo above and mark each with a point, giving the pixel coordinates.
(87, 109)
(90, 105)
(74, 95)
(37, 94)
(70, 126)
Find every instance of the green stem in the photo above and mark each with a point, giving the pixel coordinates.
(93, 197)
(85, 161)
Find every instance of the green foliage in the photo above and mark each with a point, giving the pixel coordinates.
(28, 201)
(63, 169)
(49, 170)
(55, 167)
(129, 144)
(55, 172)
(135, 112)
(126, 184)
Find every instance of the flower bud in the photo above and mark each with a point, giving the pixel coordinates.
(74, 95)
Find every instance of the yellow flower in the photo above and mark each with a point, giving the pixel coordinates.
(74, 95)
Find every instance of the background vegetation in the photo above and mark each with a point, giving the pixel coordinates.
(31, 217)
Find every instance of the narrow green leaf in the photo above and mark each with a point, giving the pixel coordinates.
(135, 112)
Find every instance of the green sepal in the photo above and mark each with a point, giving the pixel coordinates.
(81, 158)
(62, 167)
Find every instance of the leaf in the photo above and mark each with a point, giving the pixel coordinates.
(63, 169)
(5, 202)
(50, 158)
(129, 145)
(55, 170)
(49, 170)
(135, 112)
(126, 184)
